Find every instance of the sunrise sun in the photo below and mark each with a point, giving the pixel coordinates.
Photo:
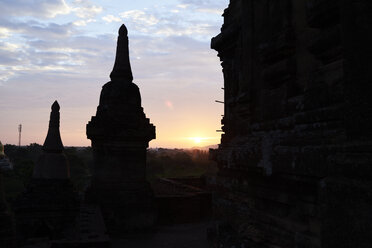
(197, 140)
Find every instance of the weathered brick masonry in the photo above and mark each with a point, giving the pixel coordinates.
(295, 159)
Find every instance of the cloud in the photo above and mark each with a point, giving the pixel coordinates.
(204, 3)
(167, 21)
(182, 6)
(210, 10)
(160, 39)
(60, 54)
(197, 29)
(35, 8)
(83, 22)
(37, 30)
(8, 46)
(5, 76)
(9, 55)
(140, 17)
(206, 6)
(4, 33)
(111, 18)
(87, 11)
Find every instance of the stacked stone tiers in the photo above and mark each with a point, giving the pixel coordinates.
(120, 133)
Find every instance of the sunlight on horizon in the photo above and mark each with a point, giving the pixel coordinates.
(197, 140)
(204, 141)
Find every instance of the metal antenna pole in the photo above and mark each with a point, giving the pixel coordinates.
(19, 137)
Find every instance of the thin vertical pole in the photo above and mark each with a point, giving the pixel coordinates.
(19, 137)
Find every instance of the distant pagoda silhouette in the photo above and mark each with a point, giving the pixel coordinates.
(49, 205)
(5, 163)
(120, 133)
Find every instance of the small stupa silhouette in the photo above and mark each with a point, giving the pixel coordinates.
(53, 163)
(49, 204)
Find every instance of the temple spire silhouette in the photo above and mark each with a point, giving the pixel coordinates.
(52, 164)
(122, 71)
(53, 142)
(120, 134)
(49, 205)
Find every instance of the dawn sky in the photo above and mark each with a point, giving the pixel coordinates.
(64, 50)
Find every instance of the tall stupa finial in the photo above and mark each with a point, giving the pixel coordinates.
(122, 70)
(53, 142)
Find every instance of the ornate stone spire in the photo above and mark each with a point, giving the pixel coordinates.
(120, 134)
(122, 70)
(53, 142)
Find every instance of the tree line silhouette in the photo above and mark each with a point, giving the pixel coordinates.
(161, 162)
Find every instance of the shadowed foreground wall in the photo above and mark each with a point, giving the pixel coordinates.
(295, 159)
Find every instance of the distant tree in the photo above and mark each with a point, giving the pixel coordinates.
(34, 150)
(178, 163)
(23, 169)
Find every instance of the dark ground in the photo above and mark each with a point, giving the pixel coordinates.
(192, 235)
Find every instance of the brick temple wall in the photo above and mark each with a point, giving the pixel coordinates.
(295, 159)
